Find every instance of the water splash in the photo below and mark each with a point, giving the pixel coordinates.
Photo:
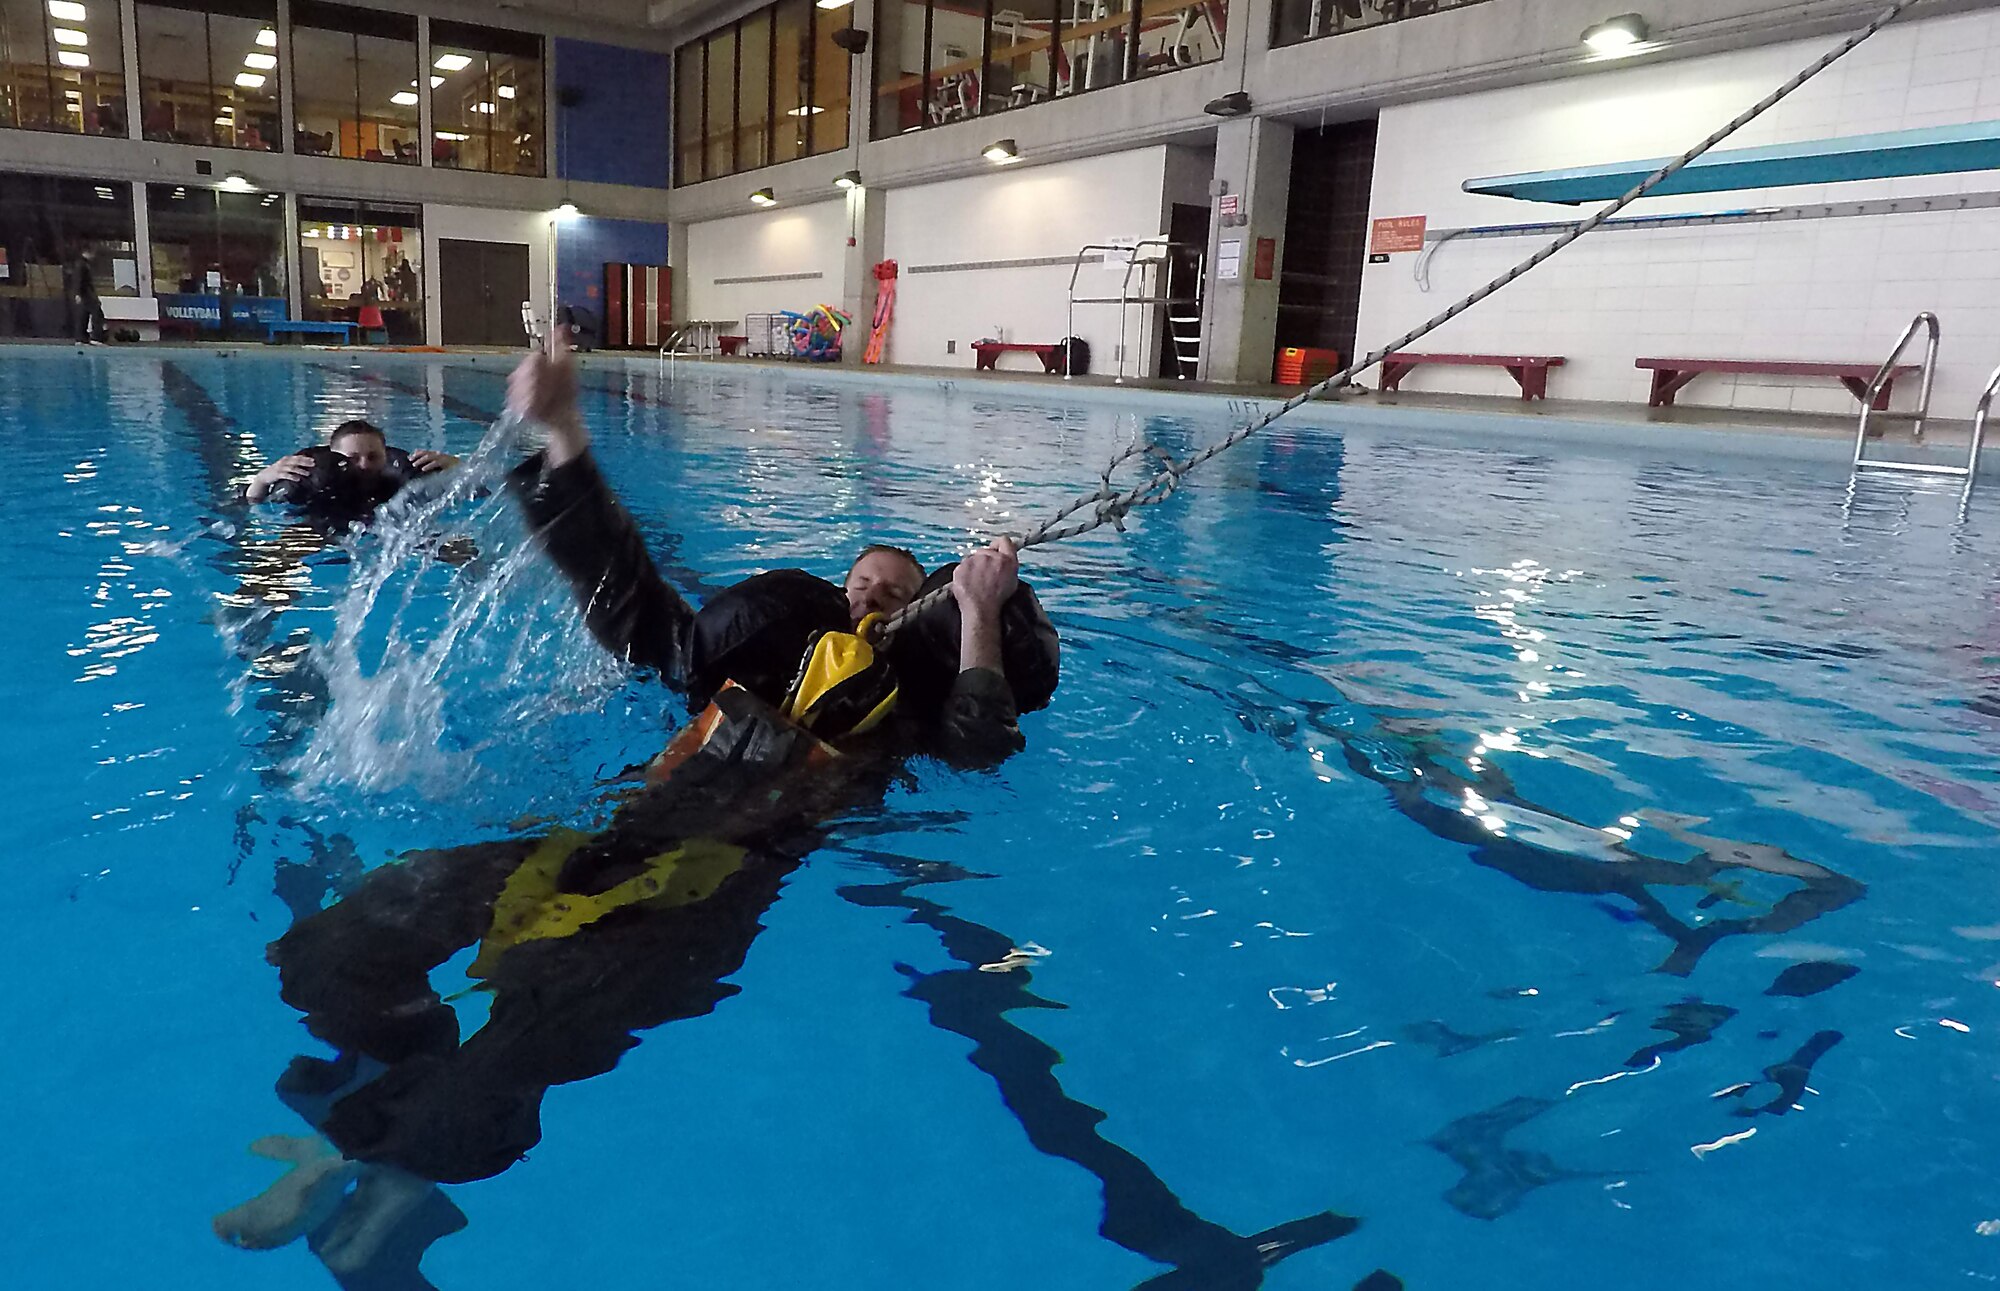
(453, 638)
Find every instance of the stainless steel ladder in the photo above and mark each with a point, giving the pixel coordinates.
(1146, 253)
(1927, 323)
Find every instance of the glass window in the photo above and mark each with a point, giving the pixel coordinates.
(1179, 33)
(218, 258)
(62, 70)
(1295, 20)
(791, 81)
(208, 72)
(689, 93)
(49, 226)
(957, 41)
(721, 132)
(486, 99)
(354, 83)
(831, 69)
(770, 87)
(1092, 53)
(753, 91)
(354, 256)
(1020, 66)
(900, 35)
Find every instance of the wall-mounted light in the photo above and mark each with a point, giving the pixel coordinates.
(1002, 152)
(567, 211)
(1620, 35)
(848, 179)
(763, 197)
(1234, 104)
(236, 182)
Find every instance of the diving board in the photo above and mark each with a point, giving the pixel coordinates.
(1899, 154)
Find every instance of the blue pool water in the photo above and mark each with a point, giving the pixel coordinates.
(1419, 837)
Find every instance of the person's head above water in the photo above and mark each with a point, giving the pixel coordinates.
(362, 444)
(882, 580)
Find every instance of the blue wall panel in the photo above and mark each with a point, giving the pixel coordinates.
(616, 133)
(584, 245)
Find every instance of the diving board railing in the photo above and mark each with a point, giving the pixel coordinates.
(1928, 324)
(1142, 256)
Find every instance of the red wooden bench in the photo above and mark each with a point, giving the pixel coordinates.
(987, 353)
(1530, 371)
(732, 344)
(1670, 375)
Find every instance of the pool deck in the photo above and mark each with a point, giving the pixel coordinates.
(1698, 430)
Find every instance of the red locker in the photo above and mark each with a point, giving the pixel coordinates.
(636, 305)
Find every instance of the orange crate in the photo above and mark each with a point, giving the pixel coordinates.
(1305, 365)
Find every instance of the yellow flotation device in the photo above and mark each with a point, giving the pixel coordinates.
(531, 907)
(843, 688)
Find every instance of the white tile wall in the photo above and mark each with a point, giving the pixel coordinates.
(1837, 289)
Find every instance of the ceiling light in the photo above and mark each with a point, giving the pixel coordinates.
(227, 111)
(455, 138)
(235, 182)
(68, 11)
(70, 58)
(435, 81)
(268, 38)
(73, 94)
(1620, 35)
(487, 108)
(250, 80)
(505, 91)
(404, 99)
(452, 62)
(105, 193)
(834, 4)
(262, 62)
(69, 36)
(1002, 153)
(848, 179)
(807, 111)
(226, 121)
(763, 197)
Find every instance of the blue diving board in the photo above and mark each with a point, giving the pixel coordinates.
(1936, 150)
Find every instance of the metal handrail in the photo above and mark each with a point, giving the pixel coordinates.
(1885, 373)
(1134, 259)
(1978, 439)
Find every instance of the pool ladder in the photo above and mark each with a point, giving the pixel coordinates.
(1926, 323)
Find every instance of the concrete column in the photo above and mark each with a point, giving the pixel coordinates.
(128, 53)
(857, 268)
(426, 141)
(1253, 164)
(142, 237)
(677, 272)
(288, 121)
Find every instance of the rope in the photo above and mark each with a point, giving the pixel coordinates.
(1109, 506)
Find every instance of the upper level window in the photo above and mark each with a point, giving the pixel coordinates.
(1295, 20)
(937, 61)
(62, 66)
(208, 72)
(770, 87)
(486, 99)
(354, 82)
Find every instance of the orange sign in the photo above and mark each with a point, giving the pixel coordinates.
(1402, 233)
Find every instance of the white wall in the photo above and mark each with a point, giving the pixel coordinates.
(789, 240)
(531, 229)
(1031, 213)
(1832, 289)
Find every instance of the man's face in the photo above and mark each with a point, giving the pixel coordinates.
(880, 583)
(365, 453)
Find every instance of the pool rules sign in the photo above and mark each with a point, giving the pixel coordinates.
(1394, 236)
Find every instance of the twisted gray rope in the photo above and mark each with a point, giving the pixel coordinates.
(1109, 506)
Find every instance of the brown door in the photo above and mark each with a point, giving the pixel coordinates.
(480, 289)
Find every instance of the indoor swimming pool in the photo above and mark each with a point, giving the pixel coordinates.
(1449, 861)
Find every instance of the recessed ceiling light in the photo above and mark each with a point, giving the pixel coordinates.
(69, 36)
(486, 108)
(268, 38)
(226, 121)
(435, 81)
(105, 193)
(262, 62)
(250, 80)
(834, 4)
(505, 91)
(809, 110)
(452, 62)
(404, 98)
(68, 11)
(455, 138)
(70, 58)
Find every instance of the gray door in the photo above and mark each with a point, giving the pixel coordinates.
(480, 289)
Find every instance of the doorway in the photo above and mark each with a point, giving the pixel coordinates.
(480, 289)
(1326, 237)
(1181, 284)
